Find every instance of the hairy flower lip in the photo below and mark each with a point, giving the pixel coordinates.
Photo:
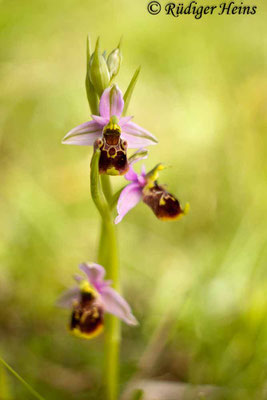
(94, 293)
(145, 187)
(111, 104)
(87, 318)
(113, 158)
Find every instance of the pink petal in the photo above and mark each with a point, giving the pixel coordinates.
(100, 120)
(68, 297)
(129, 198)
(136, 136)
(111, 102)
(143, 171)
(131, 175)
(124, 120)
(95, 272)
(84, 134)
(116, 305)
(116, 102)
(104, 104)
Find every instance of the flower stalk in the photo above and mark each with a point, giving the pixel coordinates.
(107, 256)
(111, 133)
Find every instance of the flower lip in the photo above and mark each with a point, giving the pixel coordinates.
(87, 318)
(112, 137)
(113, 154)
(164, 205)
(145, 187)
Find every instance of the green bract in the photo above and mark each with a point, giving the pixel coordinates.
(128, 94)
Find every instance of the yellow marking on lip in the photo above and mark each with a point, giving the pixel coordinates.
(162, 201)
(110, 156)
(169, 196)
(85, 287)
(179, 216)
(76, 332)
(113, 171)
(95, 313)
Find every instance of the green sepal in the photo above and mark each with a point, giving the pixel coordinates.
(92, 96)
(98, 71)
(128, 94)
(140, 154)
(153, 175)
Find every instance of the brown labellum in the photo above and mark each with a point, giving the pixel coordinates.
(113, 157)
(164, 205)
(87, 316)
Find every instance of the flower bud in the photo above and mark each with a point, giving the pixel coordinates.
(114, 61)
(98, 70)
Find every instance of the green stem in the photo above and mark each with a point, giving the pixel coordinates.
(108, 257)
(102, 253)
(112, 324)
(96, 190)
(106, 186)
(30, 389)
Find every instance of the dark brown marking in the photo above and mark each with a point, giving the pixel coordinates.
(163, 204)
(87, 315)
(113, 157)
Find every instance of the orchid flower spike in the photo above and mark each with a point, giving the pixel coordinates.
(145, 187)
(111, 133)
(91, 299)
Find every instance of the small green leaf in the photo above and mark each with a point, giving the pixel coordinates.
(128, 94)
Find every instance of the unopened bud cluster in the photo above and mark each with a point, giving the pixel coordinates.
(101, 69)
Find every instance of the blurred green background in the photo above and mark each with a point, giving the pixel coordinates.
(198, 286)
